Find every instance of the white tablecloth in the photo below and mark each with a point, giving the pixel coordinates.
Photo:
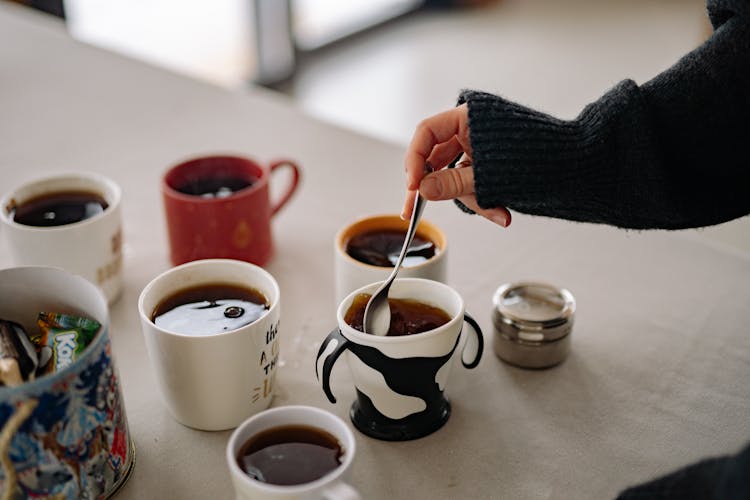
(659, 371)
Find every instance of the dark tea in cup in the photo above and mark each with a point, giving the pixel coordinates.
(58, 208)
(367, 249)
(210, 309)
(383, 247)
(408, 316)
(290, 454)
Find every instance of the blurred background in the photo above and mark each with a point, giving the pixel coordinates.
(380, 66)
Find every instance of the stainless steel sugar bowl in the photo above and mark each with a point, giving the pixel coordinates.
(533, 323)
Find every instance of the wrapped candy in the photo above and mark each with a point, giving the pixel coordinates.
(62, 339)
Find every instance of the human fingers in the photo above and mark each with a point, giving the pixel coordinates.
(448, 184)
(443, 154)
(500, 215)
(430, 132)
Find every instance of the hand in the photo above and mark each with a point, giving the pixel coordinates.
(437, 141)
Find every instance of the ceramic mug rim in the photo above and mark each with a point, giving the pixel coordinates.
(348, 331)
(260, 181)
(105, 187)
(182, 268)
(429, 229)
(330, 477)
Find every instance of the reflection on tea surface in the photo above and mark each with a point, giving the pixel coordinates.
(214, 187)
(210, 309)
(382, 248)
(408, 316)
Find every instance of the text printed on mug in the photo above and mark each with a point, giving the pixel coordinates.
(268, 362)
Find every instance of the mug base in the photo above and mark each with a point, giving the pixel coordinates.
(405, 429)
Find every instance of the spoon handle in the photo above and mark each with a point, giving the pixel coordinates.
(379, 299)
(416, 214)
(377, 311)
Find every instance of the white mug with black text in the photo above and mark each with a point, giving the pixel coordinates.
(214, 381)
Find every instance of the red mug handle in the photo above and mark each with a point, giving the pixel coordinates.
(292, 185)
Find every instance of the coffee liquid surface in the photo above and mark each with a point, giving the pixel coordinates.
(407, 316)
(382, 248)
(59, 208)
(290, 454)
(210, 309)
(214, 187)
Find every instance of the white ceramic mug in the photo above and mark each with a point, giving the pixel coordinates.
(91, 248)
(213, 382)
(351, 274)
(400, 380)
(331, 486)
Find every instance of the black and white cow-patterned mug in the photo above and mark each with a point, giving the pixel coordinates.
(400, 380)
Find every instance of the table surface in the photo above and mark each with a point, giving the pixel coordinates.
(658, 373)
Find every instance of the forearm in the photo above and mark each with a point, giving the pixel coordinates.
(669, 154)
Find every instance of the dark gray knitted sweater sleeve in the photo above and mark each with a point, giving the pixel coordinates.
(672, 153)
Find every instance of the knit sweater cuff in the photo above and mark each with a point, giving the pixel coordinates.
(534, 163)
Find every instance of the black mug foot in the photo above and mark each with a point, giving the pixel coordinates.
(372, 423)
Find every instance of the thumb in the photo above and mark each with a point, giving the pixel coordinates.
(447, 184)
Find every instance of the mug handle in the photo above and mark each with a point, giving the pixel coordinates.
(340, 491)
(480, 343)
(340, 345)
(292, 186)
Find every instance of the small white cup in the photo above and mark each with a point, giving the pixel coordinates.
(351, 274)
(331, 486)
(91, 248)
(213, 382)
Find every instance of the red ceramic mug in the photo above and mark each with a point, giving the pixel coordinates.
(231, 225)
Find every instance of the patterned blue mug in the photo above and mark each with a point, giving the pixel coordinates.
(65, 434)
(400, 380)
